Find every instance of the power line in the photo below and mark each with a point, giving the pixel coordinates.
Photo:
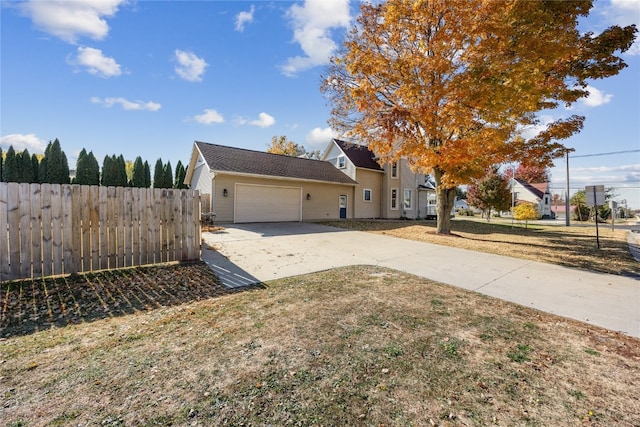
(607, 154)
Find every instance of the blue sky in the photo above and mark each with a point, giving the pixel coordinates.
(149, 77)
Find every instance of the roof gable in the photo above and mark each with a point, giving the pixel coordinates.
(537, 190)
(221, 158)
(360, 155)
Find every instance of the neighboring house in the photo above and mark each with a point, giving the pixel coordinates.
(538, 194)
(242, 185)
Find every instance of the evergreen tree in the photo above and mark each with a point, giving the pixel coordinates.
(121, 171)
(25, 170)
(147, 175)
(158, 175)
(181, 174)
(137, 178)
(87, 169)
(56, 167)
(107, 179)
(167, 180)
(35, 168)
(10, 169)
(81, 169)
(93, 169)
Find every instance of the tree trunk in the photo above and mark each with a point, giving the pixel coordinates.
(445, 198)
(489, 214)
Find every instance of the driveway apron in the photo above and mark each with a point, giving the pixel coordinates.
(253, 253)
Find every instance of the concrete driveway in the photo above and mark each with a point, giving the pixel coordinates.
(253, 253)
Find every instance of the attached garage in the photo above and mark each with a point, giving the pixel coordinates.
(267, 203)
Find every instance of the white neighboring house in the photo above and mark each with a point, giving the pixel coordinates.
(537, 194)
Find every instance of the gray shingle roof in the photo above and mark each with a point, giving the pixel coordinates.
(359, 155)
(221, 158)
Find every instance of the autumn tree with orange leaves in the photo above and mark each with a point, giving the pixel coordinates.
(450, 84)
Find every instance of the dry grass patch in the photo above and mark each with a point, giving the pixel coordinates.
(353, 346)
(573, 246)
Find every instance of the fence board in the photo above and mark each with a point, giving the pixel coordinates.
(67, 228)
(47, 242)
(13, 219)
(84, 200)
(94, 214)
(104, 228)
(127, 228)
(77, 204)
(111, 235)
(35, 224)
(52, 229)
(25, 230)
(143, 212)
(120, 234)
(4, 236)
(56, 229)
(155, 231)
(135, 232)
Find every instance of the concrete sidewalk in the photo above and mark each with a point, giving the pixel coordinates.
(251, 253)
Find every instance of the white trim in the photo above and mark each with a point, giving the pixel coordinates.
(410, 207)
(364, 195)
(391, 174)
(391, 199)
(346, 205)
(341, 161)
(280, 178)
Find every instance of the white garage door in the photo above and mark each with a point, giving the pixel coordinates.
(265, 203)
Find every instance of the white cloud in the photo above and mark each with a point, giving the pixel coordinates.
(21, 141)
(319, 137)
(312, 24)
(69, 20)
(531, 131)
(209, 116)
(623, 13)
(595, 97)
(609, 169)
(96, 62)
(243, 18)
(190, 67)
(264, 120)
(126, 104)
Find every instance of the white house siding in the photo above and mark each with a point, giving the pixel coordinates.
(332, 157)
(405, 180)
(322, 203)
(372, 180)
(201, 181)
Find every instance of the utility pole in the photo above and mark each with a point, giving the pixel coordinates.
(567, 205)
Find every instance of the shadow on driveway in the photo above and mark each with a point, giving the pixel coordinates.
(248, 231)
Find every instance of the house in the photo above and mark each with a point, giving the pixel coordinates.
(537, 194)
(389, 191)
(242, 185)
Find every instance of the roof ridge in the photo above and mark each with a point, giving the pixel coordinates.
(257, 151)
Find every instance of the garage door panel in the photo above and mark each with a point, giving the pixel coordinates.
(262, 203)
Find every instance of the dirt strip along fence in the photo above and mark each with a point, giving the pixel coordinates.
(53, 229)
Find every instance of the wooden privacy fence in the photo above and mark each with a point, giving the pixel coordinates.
(53, 229)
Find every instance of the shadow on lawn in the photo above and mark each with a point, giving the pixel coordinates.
(33, 305)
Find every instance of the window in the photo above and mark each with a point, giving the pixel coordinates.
(342, 163)
(366, 195)
(394, 170)
(394, 198)
(406, 199)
